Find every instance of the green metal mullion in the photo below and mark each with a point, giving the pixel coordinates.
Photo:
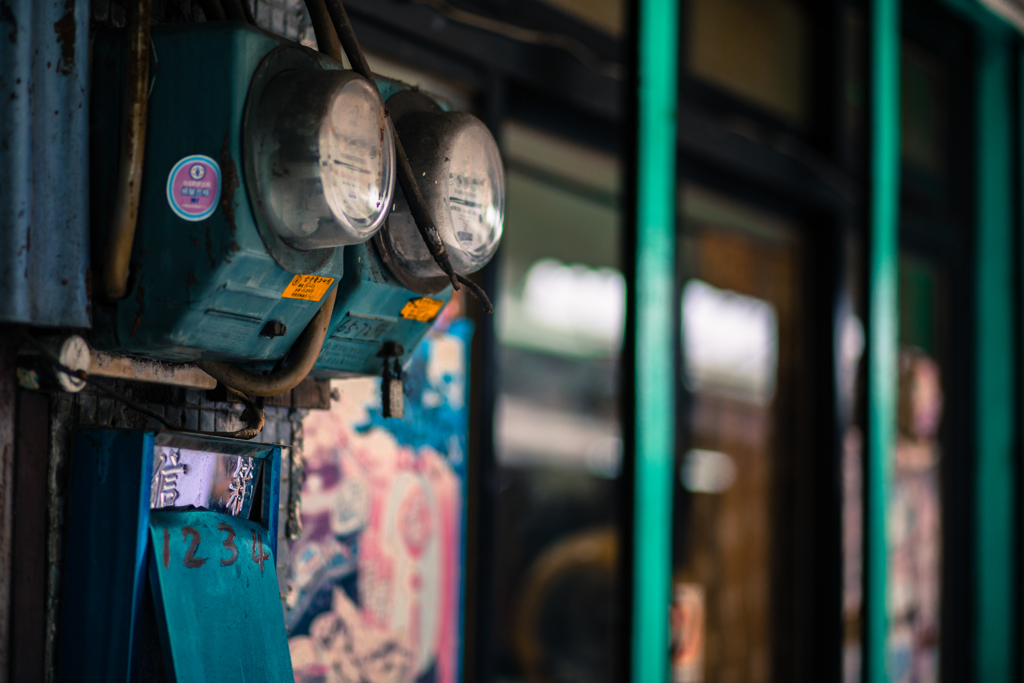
(655, 299)
(884, 324)
(994, 406)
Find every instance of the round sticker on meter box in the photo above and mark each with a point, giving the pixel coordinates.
(193, 187)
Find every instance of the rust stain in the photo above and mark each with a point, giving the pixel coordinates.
(66, 30)
(230, 184)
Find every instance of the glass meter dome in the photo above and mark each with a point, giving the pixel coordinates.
(323, 158)
(457, 163)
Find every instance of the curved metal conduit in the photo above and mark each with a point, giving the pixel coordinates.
(297, 364)
(118, 251)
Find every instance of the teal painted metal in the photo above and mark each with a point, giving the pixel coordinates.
(44, 156)
(206, 288)
(367, 314)
(994, 475)
(980, 16)
(884, 323)
(369, 307)
(658, 45)
(217, 599)
(994, 411)
(108, 537)
(104, 559)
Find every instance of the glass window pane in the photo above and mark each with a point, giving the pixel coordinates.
(558, 439)
(924, 109)
(740, 342)
(915, 507)
(757, 49)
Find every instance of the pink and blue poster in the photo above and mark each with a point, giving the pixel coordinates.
(376, 576)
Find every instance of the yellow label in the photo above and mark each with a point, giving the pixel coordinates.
(423, 309)
(308, 287)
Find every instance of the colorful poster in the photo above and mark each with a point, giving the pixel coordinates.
(376, 577)
(688, 633)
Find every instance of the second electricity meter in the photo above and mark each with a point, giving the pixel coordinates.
(324, 158)
(456, 161)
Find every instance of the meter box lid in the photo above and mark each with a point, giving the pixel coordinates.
(217, 598)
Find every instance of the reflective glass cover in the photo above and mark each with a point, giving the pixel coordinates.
(462, 179)
(325, 158)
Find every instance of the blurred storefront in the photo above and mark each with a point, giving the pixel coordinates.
(751, 415)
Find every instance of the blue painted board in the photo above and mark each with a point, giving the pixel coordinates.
(104, 566)
(108, 535)
(216, 597)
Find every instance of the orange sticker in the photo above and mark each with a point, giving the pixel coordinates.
(423, 309)
(307, 287)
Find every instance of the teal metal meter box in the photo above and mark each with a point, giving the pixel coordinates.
(242, 229)
(169, 562)
(372, 310)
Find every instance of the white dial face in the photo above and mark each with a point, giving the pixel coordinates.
(476, 196)
(467, 197)
(324, 158)
(356, 166)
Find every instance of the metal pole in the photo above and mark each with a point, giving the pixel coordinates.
(994, 358)
(883, 321)
(655, 298)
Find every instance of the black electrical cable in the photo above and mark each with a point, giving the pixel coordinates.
(249, 16)
(323, 29)
(253, 416)
(233, 10)
(406, 178)
(477, 291)
(212, 10)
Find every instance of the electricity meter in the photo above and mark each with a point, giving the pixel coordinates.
(323, 157)
(456, 161)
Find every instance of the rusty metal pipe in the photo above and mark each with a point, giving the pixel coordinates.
(300, 361)
(118, 251)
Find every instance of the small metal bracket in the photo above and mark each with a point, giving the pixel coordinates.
(391, 389)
